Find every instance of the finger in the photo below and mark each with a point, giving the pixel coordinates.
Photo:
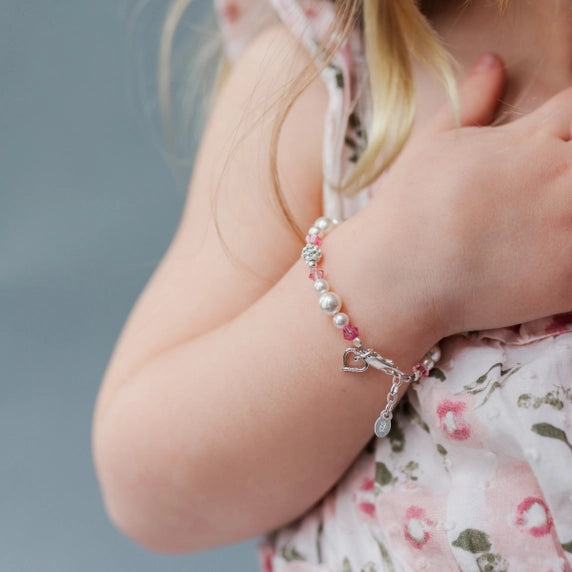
(479, 95)
(554, 116)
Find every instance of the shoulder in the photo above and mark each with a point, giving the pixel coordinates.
(268, 76)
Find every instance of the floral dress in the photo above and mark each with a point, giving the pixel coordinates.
(476, 474)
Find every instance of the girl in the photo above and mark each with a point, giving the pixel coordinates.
(225, 412)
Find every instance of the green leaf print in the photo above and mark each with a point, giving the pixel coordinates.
(396, 437)
(338, 74)
(346, 566)
(289, 553)
(383, 475)
(319, 542)
(472, 540)
(356, 140)
(482, 378)
(490, 383)
(410, 412)
(548, 430)
(408, 470)
(438, 374)
(554, 399)
(492, 563)
(567, 546)
(385, 556)
(441, 449)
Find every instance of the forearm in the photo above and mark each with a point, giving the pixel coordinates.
(239, 431)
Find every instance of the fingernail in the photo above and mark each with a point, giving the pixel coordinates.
(485, 62)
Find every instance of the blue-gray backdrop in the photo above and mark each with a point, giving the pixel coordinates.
(87, 208)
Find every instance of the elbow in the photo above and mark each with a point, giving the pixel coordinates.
(139, 526)
(133, 503)
(144, 492)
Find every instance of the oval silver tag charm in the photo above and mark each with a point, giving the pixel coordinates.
(382, 426)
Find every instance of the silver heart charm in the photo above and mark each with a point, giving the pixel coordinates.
(382, 426)
(357, 358)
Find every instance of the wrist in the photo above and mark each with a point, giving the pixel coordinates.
(383, 295)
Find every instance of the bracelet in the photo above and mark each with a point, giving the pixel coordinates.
(362, 357)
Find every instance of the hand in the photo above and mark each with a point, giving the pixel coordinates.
(478, 220)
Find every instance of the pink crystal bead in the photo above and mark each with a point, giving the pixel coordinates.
(316, 274)
(422, 368)
(313, 239)
(350, 332)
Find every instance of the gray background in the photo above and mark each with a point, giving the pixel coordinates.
(87, 208)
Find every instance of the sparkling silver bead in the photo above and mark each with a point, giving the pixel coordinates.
(340, 320)
(321, 286)
(322, 223)
(311, 253)
(330, 303)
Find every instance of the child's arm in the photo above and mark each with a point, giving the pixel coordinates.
(224, 413)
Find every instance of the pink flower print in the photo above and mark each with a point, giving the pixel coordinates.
(560, 324)
(518, 520)
(231, 12)
(367, 484)
(411, 518)
(533, 514)
(416, 527)
(361, 485)
(452, 420)
(367, 508)
(266, 554)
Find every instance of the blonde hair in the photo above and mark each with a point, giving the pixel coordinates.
(395, 32)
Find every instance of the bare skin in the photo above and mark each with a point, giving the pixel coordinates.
(223, 412)
(534, 40)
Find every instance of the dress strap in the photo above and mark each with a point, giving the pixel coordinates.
(345, 77)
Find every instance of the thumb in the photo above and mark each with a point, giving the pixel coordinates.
(479, 94)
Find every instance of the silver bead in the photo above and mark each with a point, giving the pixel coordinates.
(358, 343)
(314, 230)
(340, 320)
(321, 286)
(434, 353)
(311, 253)
(322, 223)
(428, 363)
(330, 303)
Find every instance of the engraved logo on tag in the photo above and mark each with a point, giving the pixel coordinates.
(382, 426)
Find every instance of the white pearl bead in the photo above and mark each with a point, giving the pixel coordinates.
(321, 286)
(435, 353)
(322, 223)
(330, 303)
(314, 230)
(340, 320)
